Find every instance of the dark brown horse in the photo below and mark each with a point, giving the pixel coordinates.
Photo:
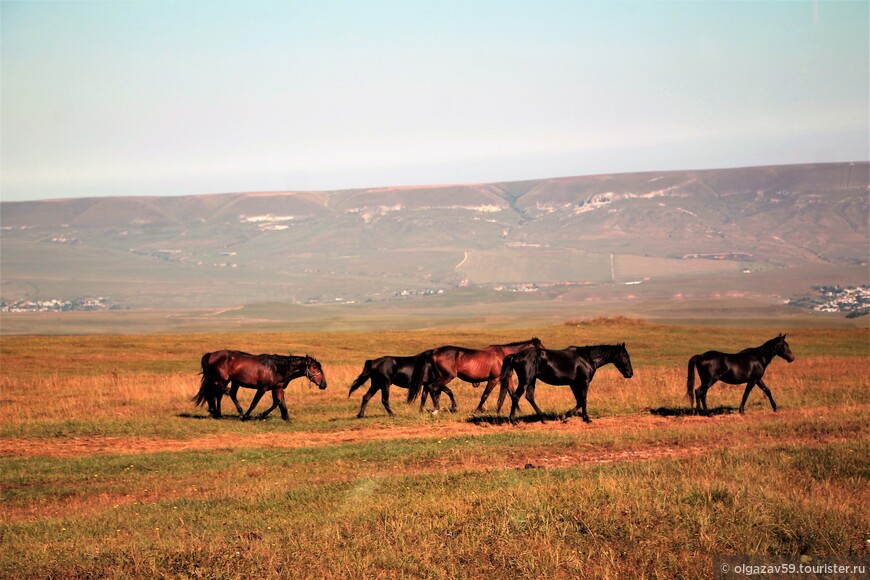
(746, 366)
(263, 372)
(391, 370)
(474, 366)
(574, 366)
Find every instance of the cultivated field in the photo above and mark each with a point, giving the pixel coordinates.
(108, 470)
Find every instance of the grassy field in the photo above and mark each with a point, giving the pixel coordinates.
(109, 471)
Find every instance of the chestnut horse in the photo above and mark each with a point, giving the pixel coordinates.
(263, 372)
(746, 366)
(474, 366)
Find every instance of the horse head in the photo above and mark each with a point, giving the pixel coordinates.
(623, 362)
(782, 349)
(314, 372)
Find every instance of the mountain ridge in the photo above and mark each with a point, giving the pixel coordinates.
(376, 243)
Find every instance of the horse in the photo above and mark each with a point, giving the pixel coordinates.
(391, 370)
(574, 366)
(746, 366)
(263, 372)
(474, 366)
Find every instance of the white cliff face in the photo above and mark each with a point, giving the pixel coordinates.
(268, 222)
(369, 212)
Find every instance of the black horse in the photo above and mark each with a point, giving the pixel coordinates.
(263, 372)
(391, 370)
(575, 366)
(746, 366)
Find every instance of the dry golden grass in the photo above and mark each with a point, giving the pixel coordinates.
(109, 471)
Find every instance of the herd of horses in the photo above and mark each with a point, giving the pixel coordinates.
(429, 372)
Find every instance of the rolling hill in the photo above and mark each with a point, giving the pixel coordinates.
(764, 232)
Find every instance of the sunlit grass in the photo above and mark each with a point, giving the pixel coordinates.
(108, 470)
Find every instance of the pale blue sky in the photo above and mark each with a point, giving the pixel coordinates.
(190, 97)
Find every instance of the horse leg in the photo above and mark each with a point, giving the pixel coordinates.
(580, 397)
(515, 400)
(274, 406)
(707, 381)
(214, 402)
(703, 396)
(424, 397)
(530, 397)
(211, 401)
(584, 391)
(278, 396)
(234, 389)
(436, 401)
(749, 387)
(257, 396)
(435, 390)
(373, 388)
(502, 393)
(385, 398)
(452, 398)
(766, 391)
(490, 385)
(277, 401)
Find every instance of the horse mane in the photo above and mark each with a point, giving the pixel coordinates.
(768, 345)
(598, 351)
(519, 342)
(279, 364)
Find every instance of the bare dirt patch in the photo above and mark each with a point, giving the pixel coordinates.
(631, 442)
(642, 421)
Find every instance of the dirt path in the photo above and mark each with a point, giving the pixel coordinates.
(640, 422)
(640, 437)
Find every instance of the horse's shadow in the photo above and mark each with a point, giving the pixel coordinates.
(193, 416)
(500, 420)
(221, 418)
(686, 412)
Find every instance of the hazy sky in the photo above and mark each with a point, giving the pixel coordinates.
(190, 97)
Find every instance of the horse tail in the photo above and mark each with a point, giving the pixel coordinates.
(507, 367)
(362, 378)
(420, 365)
(690, 380)
(204, 391)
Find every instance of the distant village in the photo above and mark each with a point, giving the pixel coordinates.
(79, 304)
(853, 300)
